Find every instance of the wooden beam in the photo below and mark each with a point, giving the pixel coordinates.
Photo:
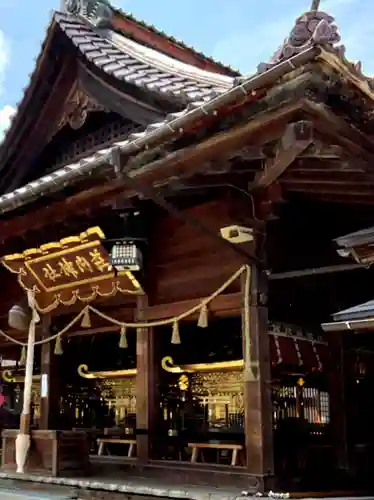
(354, 78)
(32, 142)
(223, 306)
(338, 198)
(322, 188)
(367, 185)
(342, 133)
(155, 196)
(257, 396)
(180, 214)
(337, 391)
(316, 271)
(323, 166)
(146, 384)
(190, 159)
(135, 109)
(321, 151)
(49, 381)
(296, 139)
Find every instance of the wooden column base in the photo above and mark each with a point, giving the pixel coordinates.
(51, 453)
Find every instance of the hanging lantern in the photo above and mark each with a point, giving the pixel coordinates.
(124, 255)
(19, 316)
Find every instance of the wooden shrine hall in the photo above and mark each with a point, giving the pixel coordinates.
(167, 232)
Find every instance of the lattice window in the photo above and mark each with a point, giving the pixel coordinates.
(325, 407)
(93, 142)
(316, 406)
(312, 403)
(71, 145)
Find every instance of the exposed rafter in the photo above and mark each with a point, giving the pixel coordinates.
(296, 139)
(154, 195)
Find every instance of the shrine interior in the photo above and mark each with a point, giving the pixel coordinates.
(157, 384)
(299, 238)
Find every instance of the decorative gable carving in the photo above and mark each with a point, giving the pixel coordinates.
(76, 109)
(98, 12)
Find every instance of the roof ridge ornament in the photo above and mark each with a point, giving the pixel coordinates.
(97, 12)
(312, 28)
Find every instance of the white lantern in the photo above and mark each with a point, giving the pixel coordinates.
(125, 256)
(19, 317)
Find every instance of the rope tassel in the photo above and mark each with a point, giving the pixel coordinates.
(22, 359)
(203, 317)
(175, 337)
(58, 347)
(35, 316)
(123, 338)
(86, 320)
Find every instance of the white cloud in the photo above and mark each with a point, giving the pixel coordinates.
(7, 111)
(4, 58)
(6, 114)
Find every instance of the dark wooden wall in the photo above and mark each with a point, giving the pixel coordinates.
(186, 263)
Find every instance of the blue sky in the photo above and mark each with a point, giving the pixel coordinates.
(241, 33)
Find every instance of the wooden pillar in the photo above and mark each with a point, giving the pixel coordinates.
(49, 386)
(338, 410)
(257, 391)
(146, 384)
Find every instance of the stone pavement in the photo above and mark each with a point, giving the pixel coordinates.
(24, 494)
(81, 487)
(25, 487)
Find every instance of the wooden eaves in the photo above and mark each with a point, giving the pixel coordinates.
(191, 159)
(176, 124)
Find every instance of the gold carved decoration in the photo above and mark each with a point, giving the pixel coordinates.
(9, 378)
(77, 107)
(183, 383)
(217, 385)
(217, 382)
(117, 388)
(167, 364)
(120, 396)
(75, 268)
(83, 372)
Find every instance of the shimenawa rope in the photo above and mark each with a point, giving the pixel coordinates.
(202, 307)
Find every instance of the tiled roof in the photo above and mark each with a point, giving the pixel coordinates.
(142, 66)
(361, 311)
(362, 237)
(154, 133)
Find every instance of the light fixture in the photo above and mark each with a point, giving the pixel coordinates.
(124, 254)
(19, 316)
(237, 234)
(300, 382)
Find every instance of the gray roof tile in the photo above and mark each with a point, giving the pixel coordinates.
(141, 66)
(360, 311)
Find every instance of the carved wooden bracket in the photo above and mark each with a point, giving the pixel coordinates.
(297, 138)
(77, 107)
